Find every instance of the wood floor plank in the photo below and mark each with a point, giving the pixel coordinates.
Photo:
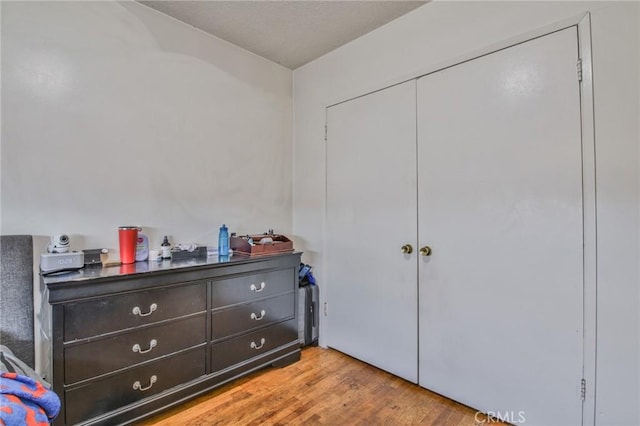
(325, 387)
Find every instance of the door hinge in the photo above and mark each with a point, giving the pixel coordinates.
(326, 309)
(326, 130)
(579, 69)
(583, 389)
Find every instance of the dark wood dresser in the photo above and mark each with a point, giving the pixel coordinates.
(126, 342)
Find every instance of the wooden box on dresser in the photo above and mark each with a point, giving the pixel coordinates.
(125, 342)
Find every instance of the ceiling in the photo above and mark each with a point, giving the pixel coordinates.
(290, 33)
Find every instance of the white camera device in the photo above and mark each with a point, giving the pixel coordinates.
(59, 257)
(60, 243)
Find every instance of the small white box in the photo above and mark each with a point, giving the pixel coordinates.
(53, 262)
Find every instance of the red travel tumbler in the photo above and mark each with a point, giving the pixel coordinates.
(128, 236)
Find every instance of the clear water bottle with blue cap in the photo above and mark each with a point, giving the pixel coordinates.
(223, 241)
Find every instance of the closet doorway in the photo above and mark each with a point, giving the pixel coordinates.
(454, 231)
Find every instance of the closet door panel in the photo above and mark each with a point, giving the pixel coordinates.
(500, 204)
(371, 290)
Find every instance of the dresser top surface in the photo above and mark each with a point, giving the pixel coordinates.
(96, 272)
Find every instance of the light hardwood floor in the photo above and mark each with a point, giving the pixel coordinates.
(325, 387)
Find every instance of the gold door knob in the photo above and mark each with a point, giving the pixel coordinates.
(425, 251)
(406, 249)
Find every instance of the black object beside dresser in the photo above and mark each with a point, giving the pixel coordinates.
(127, 342)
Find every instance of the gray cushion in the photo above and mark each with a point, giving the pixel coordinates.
(16, 295)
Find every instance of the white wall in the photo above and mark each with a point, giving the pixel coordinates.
(114, 114)
(616, 72)
(440, 32)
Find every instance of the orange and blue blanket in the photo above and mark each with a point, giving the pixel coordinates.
(25, 401)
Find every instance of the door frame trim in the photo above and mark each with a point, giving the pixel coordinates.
(589, 200)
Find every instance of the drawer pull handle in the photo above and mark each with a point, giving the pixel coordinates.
(152, 308)
(256, 347)
(138, 386)
(256, 289)
(258, 318)
(137, 348)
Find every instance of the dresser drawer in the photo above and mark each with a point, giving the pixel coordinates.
(239, 349)
(102, 396)
(122, 311)
(247, 317)
(251, 287)
(123, 350)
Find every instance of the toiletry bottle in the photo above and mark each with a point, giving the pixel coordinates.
(223, 241)
(166, 248)
(142, 248)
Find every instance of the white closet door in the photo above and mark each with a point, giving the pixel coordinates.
(371, 290)
(500, 205)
